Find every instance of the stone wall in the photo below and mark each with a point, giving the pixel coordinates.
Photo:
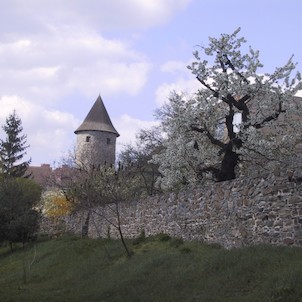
(95, 147)
(233, 213)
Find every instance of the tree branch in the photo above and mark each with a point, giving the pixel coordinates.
(234, 69)
(272, 117)
(216, 94)
(241, 105)
(229, 118)
(213, 140)
(222, 63)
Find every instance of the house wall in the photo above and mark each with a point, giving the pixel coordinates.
(245, 211)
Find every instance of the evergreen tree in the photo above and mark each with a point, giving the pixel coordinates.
(13, 148)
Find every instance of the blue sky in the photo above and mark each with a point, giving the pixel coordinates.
(57, 56)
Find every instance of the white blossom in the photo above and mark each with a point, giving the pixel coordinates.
(232, 86)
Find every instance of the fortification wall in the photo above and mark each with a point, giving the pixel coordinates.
(233, 214)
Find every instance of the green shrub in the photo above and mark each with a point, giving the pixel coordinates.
(162, 237)
(176, 242)
(141, 238)
(185, 250)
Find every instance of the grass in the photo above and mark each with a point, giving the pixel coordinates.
(161, 269)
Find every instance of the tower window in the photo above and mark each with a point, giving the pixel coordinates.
(87, 139)
(108, 141)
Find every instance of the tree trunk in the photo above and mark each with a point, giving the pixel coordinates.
(129, 254)
(228, 165)
(85, 227)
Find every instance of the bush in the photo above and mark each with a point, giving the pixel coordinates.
(141, 238)
(163, 237)
(19, 221)
(176, 242)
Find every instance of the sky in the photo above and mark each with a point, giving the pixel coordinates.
(57, 57)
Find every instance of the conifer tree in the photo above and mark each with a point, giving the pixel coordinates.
(13, 148)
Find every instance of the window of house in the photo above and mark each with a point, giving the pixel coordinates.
(108, 141)
(87, 139)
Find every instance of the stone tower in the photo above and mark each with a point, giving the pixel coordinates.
(96, 138)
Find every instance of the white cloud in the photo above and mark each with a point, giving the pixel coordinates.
(51, 50)
(45, 69)
(113, 14)
(117, 77)
(163, 92)
(128, 127)
(48, 131)
(183, 82)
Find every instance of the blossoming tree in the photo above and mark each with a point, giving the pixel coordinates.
(238, 114)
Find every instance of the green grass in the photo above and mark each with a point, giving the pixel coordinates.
(161, 269)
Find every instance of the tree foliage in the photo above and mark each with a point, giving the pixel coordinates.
(98, 192)
(101, 191)
(19, 220)
(239, 114)
(13, 148)
(55, 204)
(136, 159)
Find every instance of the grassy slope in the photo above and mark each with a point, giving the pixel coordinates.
(71, 269)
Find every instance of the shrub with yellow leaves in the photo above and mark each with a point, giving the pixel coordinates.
(55, 204)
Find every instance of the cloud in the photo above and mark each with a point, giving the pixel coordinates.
(184, 82)
(53, 50)
(128, 127)
(114, 14)
(163, 92)
(46, 69)
(48, 131)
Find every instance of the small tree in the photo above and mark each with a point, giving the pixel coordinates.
(19, 220)
(55, 205)
(13, 148)
(101, 191)
(136, 159)
(239, 114)
(97, 191)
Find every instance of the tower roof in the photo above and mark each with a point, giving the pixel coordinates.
(97, 119)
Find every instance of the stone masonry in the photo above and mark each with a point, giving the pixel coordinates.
(235, 213)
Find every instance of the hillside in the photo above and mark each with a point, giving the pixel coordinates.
(161, 269)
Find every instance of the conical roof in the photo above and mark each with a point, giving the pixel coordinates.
(97, 119)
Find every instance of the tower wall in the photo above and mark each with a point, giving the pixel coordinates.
(95, 148)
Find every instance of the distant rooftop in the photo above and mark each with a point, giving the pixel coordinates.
(97, 119)
(40, 174)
